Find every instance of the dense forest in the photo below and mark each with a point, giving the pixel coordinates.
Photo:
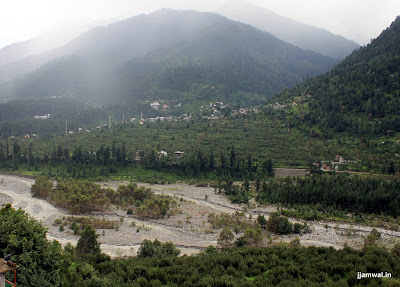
(361, 95)
(44, 263)
(347, 193)
(274, 266)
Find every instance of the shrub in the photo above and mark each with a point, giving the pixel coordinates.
(157, 249)
(279, 224)
(225, 238)
(297, 227)
(42, 187)
(88, 244)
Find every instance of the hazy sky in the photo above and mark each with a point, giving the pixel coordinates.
(358, 20)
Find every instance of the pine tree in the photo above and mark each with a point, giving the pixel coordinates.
(88, 244)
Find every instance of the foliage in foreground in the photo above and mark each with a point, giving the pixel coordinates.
(38, 259)
(42, 263)
(248, 266)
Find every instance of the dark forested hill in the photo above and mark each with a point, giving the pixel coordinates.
(361, 94)
(171, 54)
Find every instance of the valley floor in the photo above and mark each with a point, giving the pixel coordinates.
(188, 228)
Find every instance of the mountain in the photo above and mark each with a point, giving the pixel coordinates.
(169, 54)
(301, 35)
(23, 57)
(45, 42)
(361, 95)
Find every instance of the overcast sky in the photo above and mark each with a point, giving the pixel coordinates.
(358, 20)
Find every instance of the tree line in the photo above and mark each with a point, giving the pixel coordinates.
(81, 163)
(355, 194)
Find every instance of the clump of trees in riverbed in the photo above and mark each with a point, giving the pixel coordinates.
(82, 196)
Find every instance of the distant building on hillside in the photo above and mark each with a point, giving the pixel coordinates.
(139, 155)
(339, 159)
(162, 153)
(155, 105)
(178, 154)
(141, 118)
(45, 117)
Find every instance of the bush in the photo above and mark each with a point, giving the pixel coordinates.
(297, 227)
(157, 249)
(279, 224)
(201, 184)
(396, 249)
(42, 187)
(262, 221)
(225, 238)
(88, 244)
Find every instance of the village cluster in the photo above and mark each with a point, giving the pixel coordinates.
(332, 165)
(211, 111)
(220, 110)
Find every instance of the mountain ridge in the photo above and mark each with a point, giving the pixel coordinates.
(302, 35)
(19, 58)
(198, 36)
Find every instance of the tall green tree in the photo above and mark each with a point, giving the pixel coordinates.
(225, 238)
(157, 249)
(37, 258)
(88, 244)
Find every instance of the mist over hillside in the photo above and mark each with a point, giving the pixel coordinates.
(23, 57)
(304, 36)
(170, 53)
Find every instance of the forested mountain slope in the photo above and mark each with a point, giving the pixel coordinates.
(171, 53)
(361, 94)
